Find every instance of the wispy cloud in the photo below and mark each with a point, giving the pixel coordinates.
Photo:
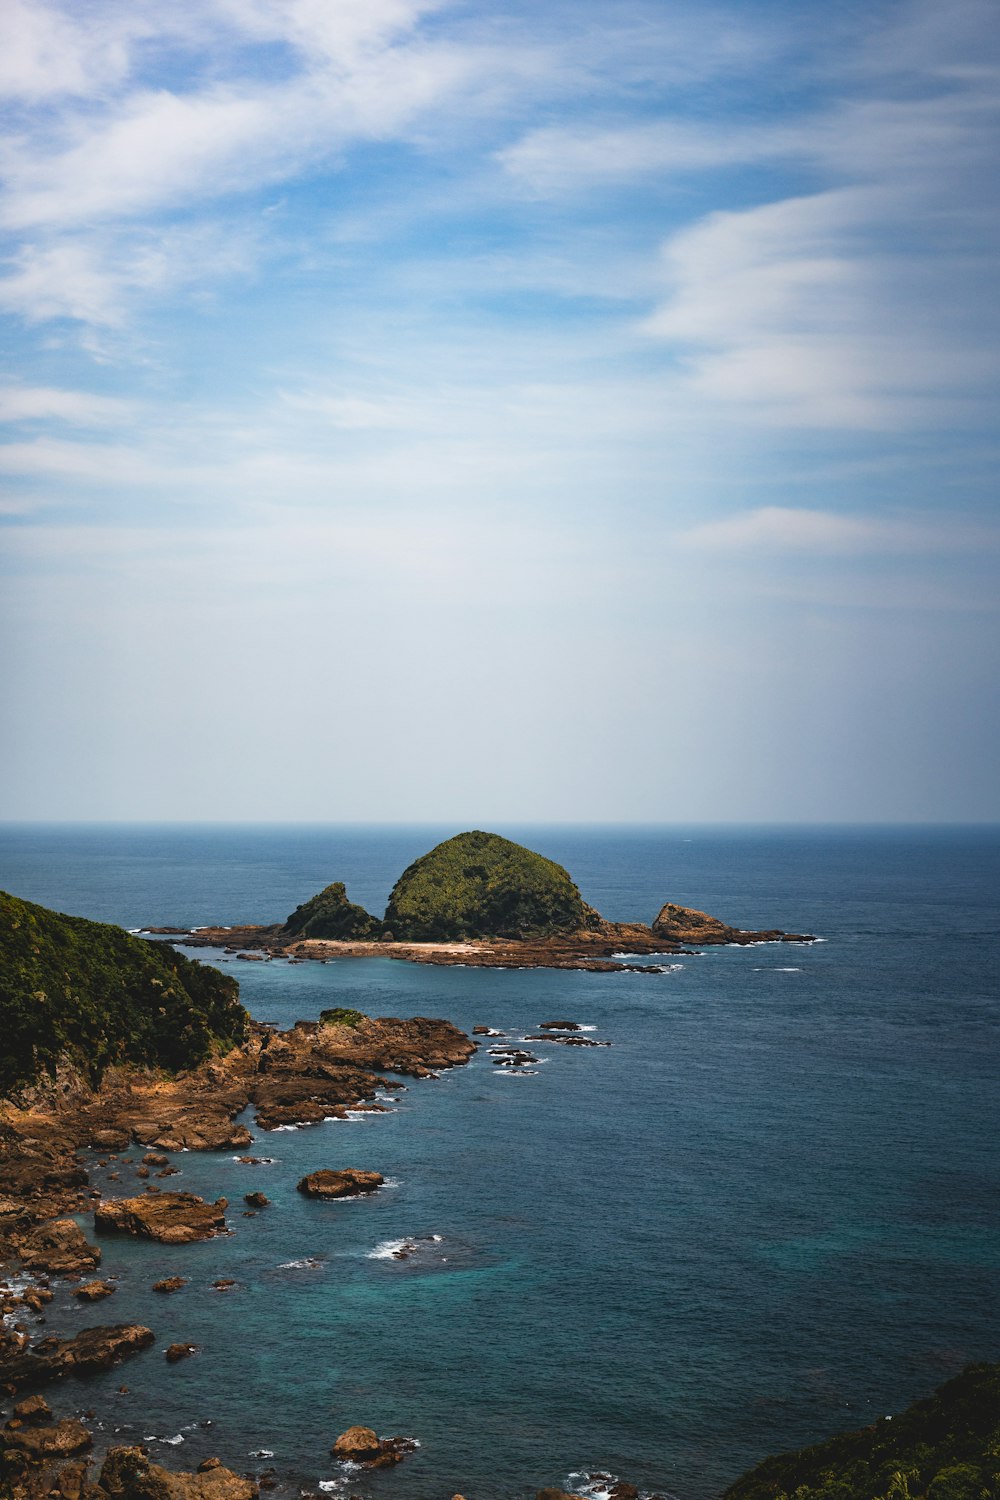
(783, 529)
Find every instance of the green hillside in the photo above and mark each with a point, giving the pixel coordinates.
(480, 885)
(330, 915)
(90, 991)
(945, 1448)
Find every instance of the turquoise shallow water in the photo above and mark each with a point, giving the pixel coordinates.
(766, 1212)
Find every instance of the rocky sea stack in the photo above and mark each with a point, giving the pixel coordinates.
(330, 915)
(481, 885)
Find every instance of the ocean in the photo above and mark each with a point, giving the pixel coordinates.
(767, 1212)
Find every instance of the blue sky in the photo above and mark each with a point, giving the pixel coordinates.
(499, 411)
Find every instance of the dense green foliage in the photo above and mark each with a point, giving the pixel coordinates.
(944, 1448)
(481, 885)
(330, 915)
(342, 1015)
(91, 993)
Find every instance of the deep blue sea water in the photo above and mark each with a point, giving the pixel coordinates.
(767, 1212)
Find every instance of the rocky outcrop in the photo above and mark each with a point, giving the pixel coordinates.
(37, 1443)
(682, 924)
(348, 1183)
(170, 1284)
(60, 1248)
(128, 1474)
(361, 1445)
(170, 1218)
(91, 1349)
(330, 915)
(94, 1291)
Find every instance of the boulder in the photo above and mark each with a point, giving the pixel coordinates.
(559, 1026)
(128, 1474)
(360, 1445)
(93, 1291)
(59, 1247)
(33, 1409)
(348, 1183)
(170, 1284)
(170, 1218)
(356, 1443)
(174, 1352)
(256, 1200)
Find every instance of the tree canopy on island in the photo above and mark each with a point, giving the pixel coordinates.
(481, 885)
(91, 994)
(946, 1447)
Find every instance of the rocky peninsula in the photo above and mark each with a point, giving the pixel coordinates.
(480, 901)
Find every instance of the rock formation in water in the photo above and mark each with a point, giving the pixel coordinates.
(481, 885)
(330, 915)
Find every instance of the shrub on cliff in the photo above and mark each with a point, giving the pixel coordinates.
(91, 993)
(945, 1448)
(480, 885)
(330, 915)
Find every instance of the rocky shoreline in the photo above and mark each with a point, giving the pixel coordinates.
(604, 948)
(298, 1077)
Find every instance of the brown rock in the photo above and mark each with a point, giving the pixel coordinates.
(683, 924)
(170, 1218)
(170, 1284)
(93, 1291)
(209, 1463)
(33, 1409)
(91, 1349)
(142, 1171)
(356, 1443)
(111, 1139)
(224, 1283)
(61, 1440)
(256, 1200)
(554, 1494)
(59, 1247)
(348, 1183)
(559, 1026)
(155, 1159)
(174, 1352)
(127, 1474)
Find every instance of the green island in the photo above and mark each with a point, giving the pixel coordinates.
(481, 885)
(946, 1447)
(90, 995)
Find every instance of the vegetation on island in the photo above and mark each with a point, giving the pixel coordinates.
(91, 995)
(342, 1015)
(946, 1447)
(330, 915)
(481, 885)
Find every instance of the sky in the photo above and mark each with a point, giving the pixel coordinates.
(500, 411)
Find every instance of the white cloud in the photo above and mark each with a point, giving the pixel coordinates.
(785, 529)
(21, 403)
